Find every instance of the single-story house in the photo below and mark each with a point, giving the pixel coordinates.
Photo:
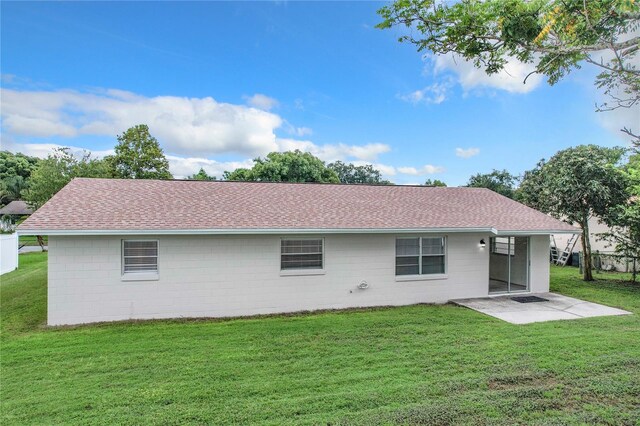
(141, 249)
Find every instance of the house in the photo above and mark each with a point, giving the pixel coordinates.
(603, 251)
(140, 249)
(10, 213)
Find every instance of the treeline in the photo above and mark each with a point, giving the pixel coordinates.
(575, 185)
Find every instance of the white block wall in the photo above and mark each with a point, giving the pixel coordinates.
(221, 276)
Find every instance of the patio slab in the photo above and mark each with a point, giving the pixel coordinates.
(558, 307)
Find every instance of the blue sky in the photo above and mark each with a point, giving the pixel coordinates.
(221, 83)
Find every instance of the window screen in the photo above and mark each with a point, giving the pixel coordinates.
(139, 256)
(420, 256)
(301, 254)
(503, 245)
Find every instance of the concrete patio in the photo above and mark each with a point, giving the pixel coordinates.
(558, 307)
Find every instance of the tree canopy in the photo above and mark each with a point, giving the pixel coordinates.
(54, 172)
(15, 170)
(434, 182)
(290, 166)
(138, 156)
(201, 175)
(556, 36)
(350, 173)
(17, 164)
(500, 181)
(624, 219)
(575, 185)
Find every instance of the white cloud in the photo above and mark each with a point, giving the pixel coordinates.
(433, 94)
(184, 125)
(261, 101)
(297, 131)
(195, 127)
(509, 79)
(424, 170)
(42, 150)
(334, 152)
(180, 167)
(467, 153)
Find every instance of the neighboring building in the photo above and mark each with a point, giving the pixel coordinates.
(602, 250)
(10, 213)
(139, 249)
(16, 208)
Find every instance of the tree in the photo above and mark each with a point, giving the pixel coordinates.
(138, 156)
(500, 181)
(201, 175)
(11, 189)
(557, 36)
(575, 185)
(624, 219)
(290, 166)
(17, 164)
(54, 172)
(350, 173)
(15, 170)
(435, 182)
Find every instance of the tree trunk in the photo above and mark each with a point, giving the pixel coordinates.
(41, 242)
(586, 249)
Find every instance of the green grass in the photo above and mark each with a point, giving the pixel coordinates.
(31, 240)
(410, 365)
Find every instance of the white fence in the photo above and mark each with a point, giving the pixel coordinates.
(8, 252)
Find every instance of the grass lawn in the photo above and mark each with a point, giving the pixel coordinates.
(32, 240)
(411, 365)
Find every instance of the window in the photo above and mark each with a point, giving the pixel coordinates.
(503, 245)
(420, 256)
(301, 254)
(139, 256)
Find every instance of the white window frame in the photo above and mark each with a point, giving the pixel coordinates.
(304, 271)
(139, 275)
(420, 276)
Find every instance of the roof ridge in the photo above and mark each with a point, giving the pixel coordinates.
(279, 183)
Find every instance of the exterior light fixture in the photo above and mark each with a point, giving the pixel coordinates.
(482, 243)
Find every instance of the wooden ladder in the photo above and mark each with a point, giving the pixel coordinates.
(564, 257)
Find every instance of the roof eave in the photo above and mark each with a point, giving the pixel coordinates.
(250, 231)
(278, 231)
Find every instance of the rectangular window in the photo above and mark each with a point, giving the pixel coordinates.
(301, 254)
(420, 256)
(139, 256)
(503, 245)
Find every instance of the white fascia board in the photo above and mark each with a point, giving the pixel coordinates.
(270, 231)
(538, 232)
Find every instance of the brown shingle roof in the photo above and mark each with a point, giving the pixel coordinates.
(146, 205)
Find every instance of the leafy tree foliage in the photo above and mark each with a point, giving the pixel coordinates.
(15, 170)
(138, 156)
(290, 166)
(575, 185)
(500, 181)
(11, 188)
(350, 173)
(201, 175)
(624, 219)
(16, 164)
(435, 182)
(557, 36)
(54, 172)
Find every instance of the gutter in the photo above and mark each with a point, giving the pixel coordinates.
(280, 231)
(267, 231)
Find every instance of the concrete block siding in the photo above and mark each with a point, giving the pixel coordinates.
(222, 276)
